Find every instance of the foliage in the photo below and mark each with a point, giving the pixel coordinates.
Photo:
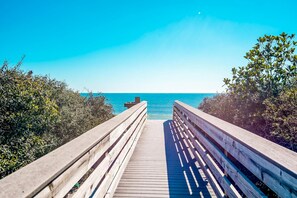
(223, 107)
(261, 96)
(38, 114)
(281, 114)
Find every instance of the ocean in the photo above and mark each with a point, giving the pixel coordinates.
(159, 104)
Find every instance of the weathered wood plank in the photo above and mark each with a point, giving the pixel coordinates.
(47, 170)
(124, 155)
(116, 171)
(229, 189)
(247, 187)
(92, 181)
(154, 169)
(211, 178)
(116, 180)
(274, 165)
(62, 184)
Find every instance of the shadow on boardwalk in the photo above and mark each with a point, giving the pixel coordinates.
(161, 166)
(184, 178)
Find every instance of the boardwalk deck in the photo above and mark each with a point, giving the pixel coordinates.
(162, 166)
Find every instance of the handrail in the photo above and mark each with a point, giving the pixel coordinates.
(99, 156)
(229, 155)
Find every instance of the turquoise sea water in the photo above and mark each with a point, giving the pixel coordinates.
(159, 105)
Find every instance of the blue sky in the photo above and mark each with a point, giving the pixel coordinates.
(138, 46)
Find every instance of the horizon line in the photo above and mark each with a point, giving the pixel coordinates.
(153, 92)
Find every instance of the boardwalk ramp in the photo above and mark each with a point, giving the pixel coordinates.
(162, 165)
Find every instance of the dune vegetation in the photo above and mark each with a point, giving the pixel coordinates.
(262, 96)
(39, 114)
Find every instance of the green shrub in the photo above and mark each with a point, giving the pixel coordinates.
(261, 96)
(281, 116)
(38, 114)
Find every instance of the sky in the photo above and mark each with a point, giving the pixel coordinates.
(138, 46)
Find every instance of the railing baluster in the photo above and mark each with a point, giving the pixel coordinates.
(96, 159)
(272, 164)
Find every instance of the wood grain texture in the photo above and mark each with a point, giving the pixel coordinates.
(247, 187)
(276, 166)
(162, 166)
(54, 174)
(164, 162)
(195, 146)
(106, 186)
(116, 179)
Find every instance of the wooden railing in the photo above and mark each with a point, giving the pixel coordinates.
(93, 162)
(233, 159)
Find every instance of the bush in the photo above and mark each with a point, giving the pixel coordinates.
(261, 96)
(38, 114)
(220, 105)
(281, 115)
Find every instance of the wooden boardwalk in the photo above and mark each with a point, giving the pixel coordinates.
(130, 156)
(163, 166)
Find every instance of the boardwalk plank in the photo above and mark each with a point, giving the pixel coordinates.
(162, 166)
